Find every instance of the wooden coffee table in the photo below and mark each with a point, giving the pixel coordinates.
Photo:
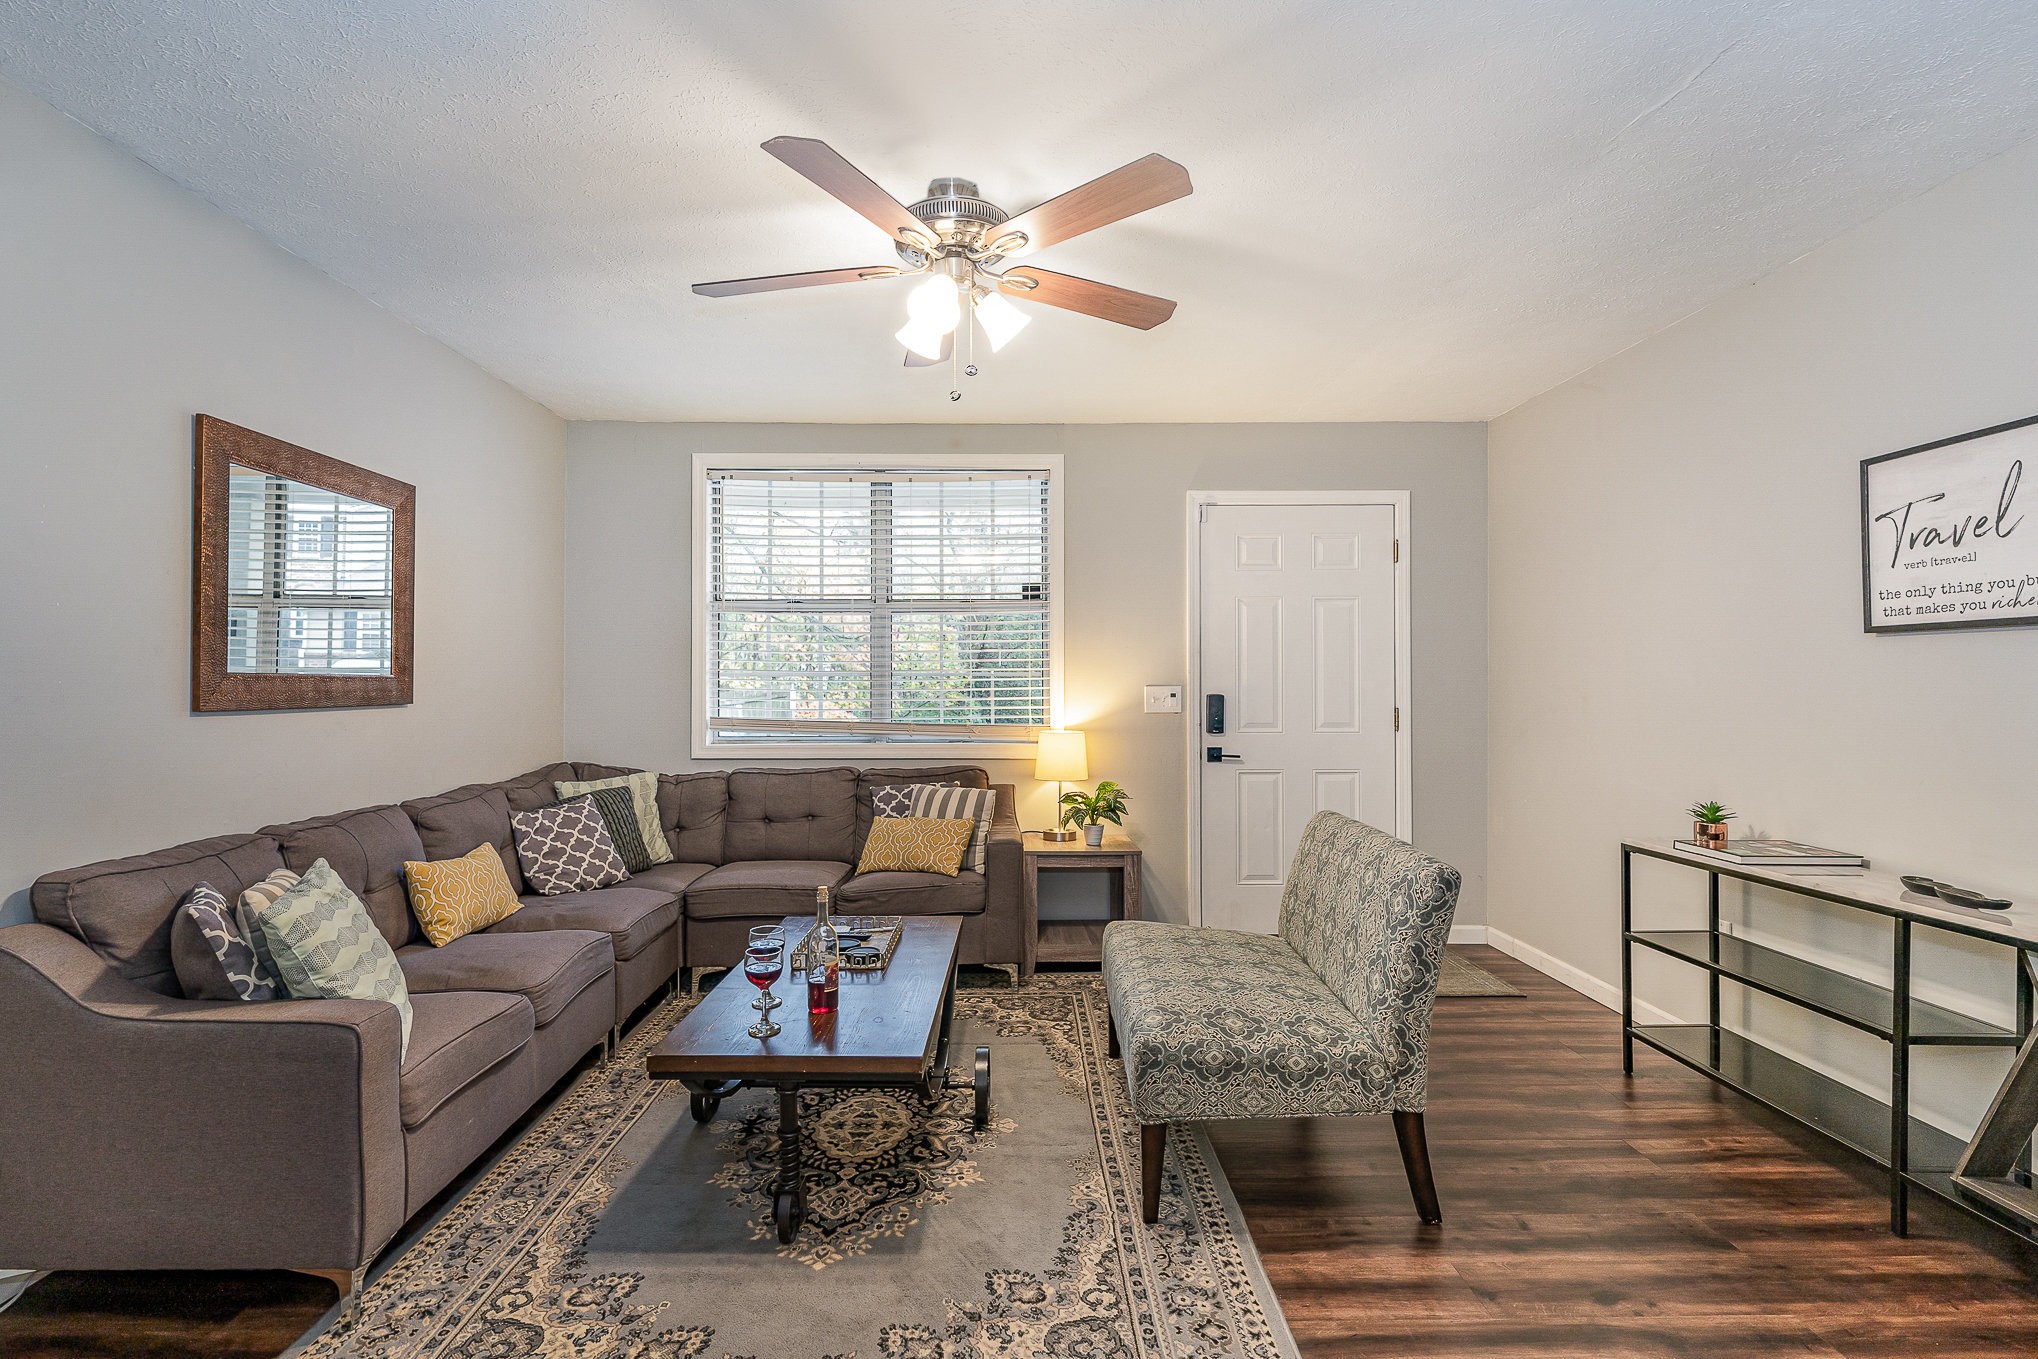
(890, 1028)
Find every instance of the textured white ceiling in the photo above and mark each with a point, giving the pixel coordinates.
(1404, 209)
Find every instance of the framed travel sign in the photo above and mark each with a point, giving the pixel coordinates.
(1947, 540)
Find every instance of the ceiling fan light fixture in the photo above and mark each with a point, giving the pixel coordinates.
(934, 304)
(1000, 319)
(923, 339)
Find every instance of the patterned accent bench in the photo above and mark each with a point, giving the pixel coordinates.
(1331, 1016)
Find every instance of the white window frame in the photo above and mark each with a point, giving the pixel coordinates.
(705, 747)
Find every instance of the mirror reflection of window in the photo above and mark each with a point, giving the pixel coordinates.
(309, 579)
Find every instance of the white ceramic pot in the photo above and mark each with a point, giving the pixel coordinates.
(1093, 835)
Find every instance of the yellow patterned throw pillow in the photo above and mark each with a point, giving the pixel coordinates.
(453, 897)
(916, 844)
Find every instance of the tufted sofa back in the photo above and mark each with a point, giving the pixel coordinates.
(1371, 914)
(791, 814)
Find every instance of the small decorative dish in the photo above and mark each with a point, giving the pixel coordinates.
(1960, 896)
(1918, 884)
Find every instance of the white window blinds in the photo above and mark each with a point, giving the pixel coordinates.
(878, 606)
(309, 579)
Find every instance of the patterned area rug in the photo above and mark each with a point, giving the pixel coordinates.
(1462, 978)
(617, 1228)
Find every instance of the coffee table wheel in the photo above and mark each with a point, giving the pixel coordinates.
(982, 1082)
(704, 1107)
(787, 1214)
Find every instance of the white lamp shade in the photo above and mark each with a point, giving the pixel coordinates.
(1063, 757)
(1000, 319)
(924, 340)
(935, 303)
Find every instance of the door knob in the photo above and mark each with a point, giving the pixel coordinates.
(1215, 753)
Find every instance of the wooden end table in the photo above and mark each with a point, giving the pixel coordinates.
(890, 1028)
(1077, 941)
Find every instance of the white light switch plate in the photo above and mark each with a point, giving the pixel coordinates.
(1163, 698)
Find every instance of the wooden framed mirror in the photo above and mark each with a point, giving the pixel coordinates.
(301, 578)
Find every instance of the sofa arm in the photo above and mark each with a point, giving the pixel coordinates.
(141, 1131)
(1006, 896)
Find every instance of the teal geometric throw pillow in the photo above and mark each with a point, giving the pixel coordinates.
(324, 945)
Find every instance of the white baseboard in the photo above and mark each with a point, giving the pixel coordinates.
(1468, 934)
(1577, 978)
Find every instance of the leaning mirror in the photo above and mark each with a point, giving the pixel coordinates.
(302, 588)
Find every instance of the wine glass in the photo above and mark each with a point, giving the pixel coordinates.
(764, 940)
(763, 968)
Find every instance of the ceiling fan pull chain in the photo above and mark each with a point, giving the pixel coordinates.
(955, 362)
(970, 319)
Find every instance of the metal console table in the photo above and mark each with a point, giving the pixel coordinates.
(1990, 1177)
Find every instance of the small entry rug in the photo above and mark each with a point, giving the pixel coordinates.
(1461, 978)
(617, 1228)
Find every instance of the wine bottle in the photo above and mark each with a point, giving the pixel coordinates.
(824, 975)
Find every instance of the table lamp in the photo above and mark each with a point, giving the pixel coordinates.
(1062, 756)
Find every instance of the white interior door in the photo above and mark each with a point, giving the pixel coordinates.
(1295, 636)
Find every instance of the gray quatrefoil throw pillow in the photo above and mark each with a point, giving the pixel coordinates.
(214, 960)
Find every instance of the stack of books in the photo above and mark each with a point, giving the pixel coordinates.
(1774, 854)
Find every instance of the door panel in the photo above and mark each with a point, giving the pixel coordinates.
(1295, 621)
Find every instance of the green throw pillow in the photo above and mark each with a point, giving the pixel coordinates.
(324, 945)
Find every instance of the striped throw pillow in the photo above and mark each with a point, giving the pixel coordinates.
(452, 897)
(912, 844)
(263, 893)
(619, 814)
(327, 948)
(643, 789)
(937, 802)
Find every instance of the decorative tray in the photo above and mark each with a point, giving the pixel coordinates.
(868, 943)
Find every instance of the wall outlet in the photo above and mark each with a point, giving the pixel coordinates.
(1163, 698)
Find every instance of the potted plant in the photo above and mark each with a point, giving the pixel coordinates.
(1092, 810)
(1709, 824)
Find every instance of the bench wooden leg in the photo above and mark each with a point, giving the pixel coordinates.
(1153, 1152)
(1415, 1160)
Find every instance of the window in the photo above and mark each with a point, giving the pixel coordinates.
(877, 606)
(308, 579)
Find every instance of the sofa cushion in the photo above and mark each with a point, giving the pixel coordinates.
(456, 1038)
(632, 915)
(792, 814)
(123, 908)
(528, 791)
(1221, 1024)
(766, 888)
(694, 809)
(367, 849)
(674, 878)
(325, 946)
(963, 775)
(548, 967)
(454, 823)
(913, 894)
(214, 959)
(566, 848)
(452, 897)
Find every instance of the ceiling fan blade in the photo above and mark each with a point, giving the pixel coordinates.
(922, 361)
(1070, 293)
(771, 283)
(1146, 183)
(822, 164)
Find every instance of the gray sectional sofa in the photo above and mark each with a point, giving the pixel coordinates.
(143, 1130)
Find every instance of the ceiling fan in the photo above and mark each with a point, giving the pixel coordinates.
(957, 239)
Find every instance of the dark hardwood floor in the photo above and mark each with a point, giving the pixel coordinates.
(1589, 1215)
(1584, 1215)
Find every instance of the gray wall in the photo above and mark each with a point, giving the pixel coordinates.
(130, 305)
(629, 564)
(1676, 602)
